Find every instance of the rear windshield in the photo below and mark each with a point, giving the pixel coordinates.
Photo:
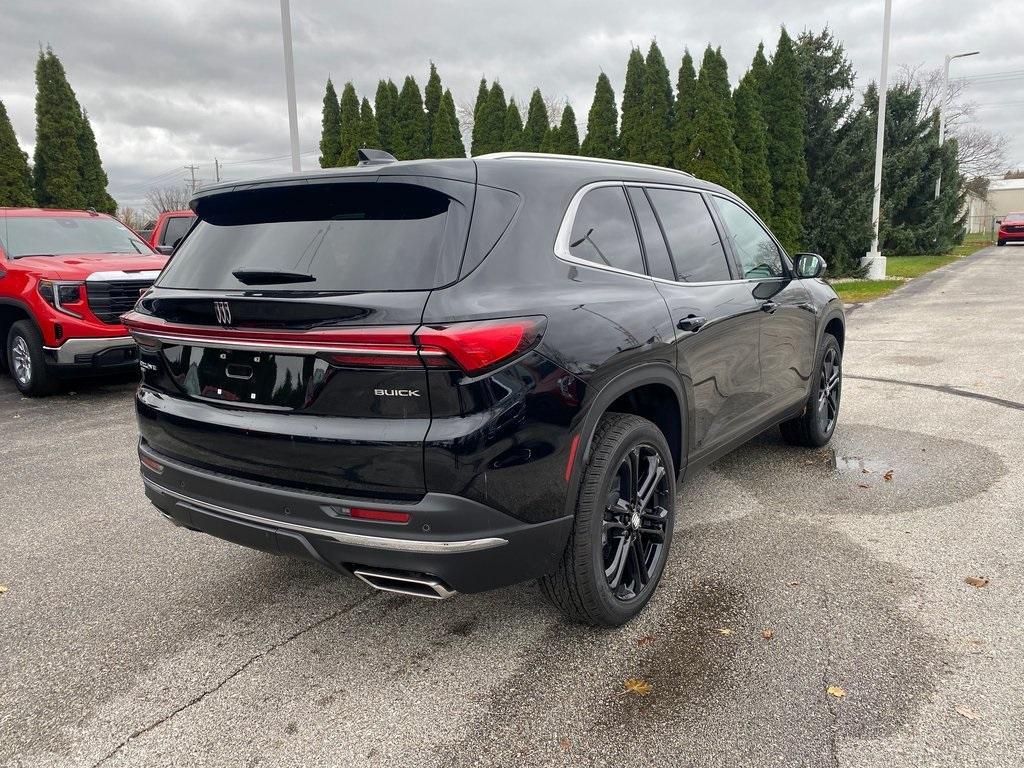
(67, 235)
(327, 237)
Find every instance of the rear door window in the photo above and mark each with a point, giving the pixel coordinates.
(603, 231)
(339, 237)
(692, 236)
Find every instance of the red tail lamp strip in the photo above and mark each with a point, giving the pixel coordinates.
(379, 515)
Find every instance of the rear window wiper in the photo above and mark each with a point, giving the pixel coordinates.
(271, 277)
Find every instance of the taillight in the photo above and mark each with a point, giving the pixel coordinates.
(379, 515)
(479, 345)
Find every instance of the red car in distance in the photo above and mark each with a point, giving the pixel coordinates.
(66, 277)
(1011, 229)
(169, 228)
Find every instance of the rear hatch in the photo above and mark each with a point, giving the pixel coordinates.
(278, 344)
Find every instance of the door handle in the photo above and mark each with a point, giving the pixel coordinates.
(769, 306)
(691, 323)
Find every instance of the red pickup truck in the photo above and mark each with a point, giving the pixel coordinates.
(66, 277)
(169, 228)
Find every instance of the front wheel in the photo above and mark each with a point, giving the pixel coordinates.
(25, 360)
(814, 427)
(1001, 243)
(617, 551)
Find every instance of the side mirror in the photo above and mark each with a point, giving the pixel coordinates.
(166, 250)
(809, 266)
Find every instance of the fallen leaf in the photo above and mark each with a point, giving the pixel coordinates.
(767, 634)
(793, 584)
(887, 476)
(645, 640)
(835, 690)
(3, 588)
(977, 581)
(865, 471)
(637, 686)
(967, 712)
(724, 631)
(863, 485)
(565, 744)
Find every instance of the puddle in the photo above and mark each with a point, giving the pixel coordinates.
(858, 465)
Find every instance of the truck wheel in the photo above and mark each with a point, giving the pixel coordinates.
(25, 360)
(624, 516)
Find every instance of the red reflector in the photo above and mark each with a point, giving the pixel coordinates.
(149, 463)
(572, 457)
(479, 345)
(379, 515)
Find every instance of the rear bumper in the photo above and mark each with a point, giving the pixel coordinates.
(465, 545)
(93, 354)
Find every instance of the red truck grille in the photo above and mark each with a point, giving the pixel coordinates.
(110, 299)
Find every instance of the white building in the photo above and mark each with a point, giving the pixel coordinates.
(1004, 196)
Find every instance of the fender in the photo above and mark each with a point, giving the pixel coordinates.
(647, 373)
(834, 311)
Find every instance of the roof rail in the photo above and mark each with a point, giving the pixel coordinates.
(375, 157)
(579, 158)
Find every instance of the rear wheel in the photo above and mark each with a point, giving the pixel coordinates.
(25, 360)
(814, 427)
(617, 551)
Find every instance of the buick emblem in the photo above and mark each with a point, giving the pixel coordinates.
(223, 312)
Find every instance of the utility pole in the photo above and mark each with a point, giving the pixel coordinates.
(874, 260)
(192, 170)
(289, 83)
(942, 108)
(216, 169)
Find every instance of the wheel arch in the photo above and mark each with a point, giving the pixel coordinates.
(834, 323)
(11, 311)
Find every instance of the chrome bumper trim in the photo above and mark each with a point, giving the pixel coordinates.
(66, 352)
(342, 537)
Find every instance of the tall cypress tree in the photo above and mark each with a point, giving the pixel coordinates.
(630, 142)
(350, 129)
(656, 127)
(432, 102)
(385, 107)
(447, 136)
(752, 143)
(57, 164)
(92, 177)
(602, 138)
(492, 121)
(369, 133)
(15, 177)
(568, 133)
(759, 70)
(783, 103)
(513, 136)
(330, 133)
(685, 111)
(713, 147)
(477, 141)
(537, 123)
(411, 134)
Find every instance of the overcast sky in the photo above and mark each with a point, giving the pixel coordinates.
(168, 84)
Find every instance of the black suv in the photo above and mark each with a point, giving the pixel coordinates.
(453, 375)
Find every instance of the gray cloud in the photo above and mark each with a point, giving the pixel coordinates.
(168, 84)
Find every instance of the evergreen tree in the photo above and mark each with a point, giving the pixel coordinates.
(385, 107)
(330, 134)
(602, 138)
(752, 144)
(655, 136)
(491, 136)
(479, 106)
(411, 133)
(350, 127)
(551, 141)
(432, 102)
(513, 136)
(92, 177)
(568, 133)
(713, 146)
(633, 109)
(57, 163)
(759, 71)
(447, 136)
(684, 113)
(15, 177)
(537, 123)
(783, 105)
(369, 133)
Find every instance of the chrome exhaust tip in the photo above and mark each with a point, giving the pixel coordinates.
(405, 584)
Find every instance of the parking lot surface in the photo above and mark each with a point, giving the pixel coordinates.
(127, 642)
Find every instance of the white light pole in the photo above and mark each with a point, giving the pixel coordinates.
(942, 108)
(874, 260)
(289, 82)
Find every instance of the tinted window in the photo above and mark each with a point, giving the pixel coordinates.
(334, 237)
(691, 234)
(658, 262)
(176, 228)
(754, 247)
(603, 231)
(63, 235)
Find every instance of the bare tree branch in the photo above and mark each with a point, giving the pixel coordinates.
(162, 199)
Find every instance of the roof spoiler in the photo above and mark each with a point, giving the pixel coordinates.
(375, 157)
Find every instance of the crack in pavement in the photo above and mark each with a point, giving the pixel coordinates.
(945, 389)
(261, 655)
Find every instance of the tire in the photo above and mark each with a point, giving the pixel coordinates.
(25, 360)
(1000, 243)
(606, 526)
(814, 427)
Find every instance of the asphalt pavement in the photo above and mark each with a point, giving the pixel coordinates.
(127, 642)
